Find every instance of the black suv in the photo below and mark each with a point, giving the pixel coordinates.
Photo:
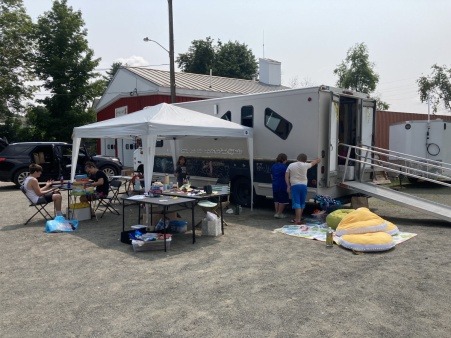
(55, 159)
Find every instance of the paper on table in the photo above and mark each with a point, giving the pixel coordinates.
(137, 197)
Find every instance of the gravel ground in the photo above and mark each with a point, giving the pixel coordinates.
(248, 283)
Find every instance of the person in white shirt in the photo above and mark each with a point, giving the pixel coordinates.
(40, 195)
(296, 180)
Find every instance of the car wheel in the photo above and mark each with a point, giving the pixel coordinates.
(241, 191)
(20, 176)
(109, 171)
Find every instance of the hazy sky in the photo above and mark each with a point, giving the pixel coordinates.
(309, 37)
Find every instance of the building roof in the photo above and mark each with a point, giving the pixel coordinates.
(140, 81)
(202, 82)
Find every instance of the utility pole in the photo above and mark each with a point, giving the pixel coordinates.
(171, 52)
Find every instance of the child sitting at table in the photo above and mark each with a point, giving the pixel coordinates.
(100, 182)
(40, 195)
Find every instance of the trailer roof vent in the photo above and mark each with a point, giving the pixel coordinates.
(348, 92)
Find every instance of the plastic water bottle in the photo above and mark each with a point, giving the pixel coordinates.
(329, 238)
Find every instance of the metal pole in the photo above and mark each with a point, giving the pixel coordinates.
(171, 53)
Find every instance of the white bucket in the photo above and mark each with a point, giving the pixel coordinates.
(350, 173)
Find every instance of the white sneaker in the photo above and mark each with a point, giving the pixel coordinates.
(280, 216)
(276, 215)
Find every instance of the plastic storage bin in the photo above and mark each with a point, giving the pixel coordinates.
(150, 245)
(82, 214)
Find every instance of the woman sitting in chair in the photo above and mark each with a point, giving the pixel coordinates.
(42, 195)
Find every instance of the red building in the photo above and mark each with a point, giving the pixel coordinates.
(134, 88)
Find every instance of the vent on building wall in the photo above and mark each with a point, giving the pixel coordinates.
(270, 72)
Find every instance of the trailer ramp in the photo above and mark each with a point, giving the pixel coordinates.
(437, 210)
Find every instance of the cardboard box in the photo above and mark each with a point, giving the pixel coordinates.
(157, 216)
(82, 214)
(211, 228)
(127, 172)
(359, 202)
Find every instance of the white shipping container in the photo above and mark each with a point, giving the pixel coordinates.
(429, 140)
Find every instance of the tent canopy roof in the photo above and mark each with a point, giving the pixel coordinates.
(162, 121)
(165, 121)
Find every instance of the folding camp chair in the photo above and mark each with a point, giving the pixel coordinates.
(104, 204)
(115, 185)
(40, 207)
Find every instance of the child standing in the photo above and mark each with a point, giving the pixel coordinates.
(279, 186)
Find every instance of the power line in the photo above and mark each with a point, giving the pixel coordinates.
(144, 66)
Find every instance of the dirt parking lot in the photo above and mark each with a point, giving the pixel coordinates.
(248, 283)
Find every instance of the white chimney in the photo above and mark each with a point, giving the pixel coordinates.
(270, 72)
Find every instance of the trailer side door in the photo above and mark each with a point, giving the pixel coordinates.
(367, 124)
(333, 140)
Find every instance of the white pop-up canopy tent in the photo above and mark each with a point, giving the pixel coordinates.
(163, 121)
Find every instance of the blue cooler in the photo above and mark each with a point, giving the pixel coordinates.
(176, 226)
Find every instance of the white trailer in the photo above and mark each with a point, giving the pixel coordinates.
(308, 120)
(426, 141)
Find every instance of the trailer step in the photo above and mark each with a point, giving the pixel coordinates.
(437, 210)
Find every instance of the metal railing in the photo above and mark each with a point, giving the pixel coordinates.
(392, 161)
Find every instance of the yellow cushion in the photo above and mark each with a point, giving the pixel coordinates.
(391, 228)
(335, 217)
(374, 241)
(360, 221)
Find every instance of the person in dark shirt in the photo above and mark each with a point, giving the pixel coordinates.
(180, 171)
(279, 186)
(100, 182)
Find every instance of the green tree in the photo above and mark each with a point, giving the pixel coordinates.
(65, 63)
(200, 57)
(356, 72)
(113, 70)
(234, 59)
(16, 32)
(231, 59)
(380, 105)
(12, 128)
(436, 87)
(38, 118)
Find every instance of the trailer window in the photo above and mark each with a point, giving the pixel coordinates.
(247, 116)
(277, 124)
(227, 116)
(139, 144)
